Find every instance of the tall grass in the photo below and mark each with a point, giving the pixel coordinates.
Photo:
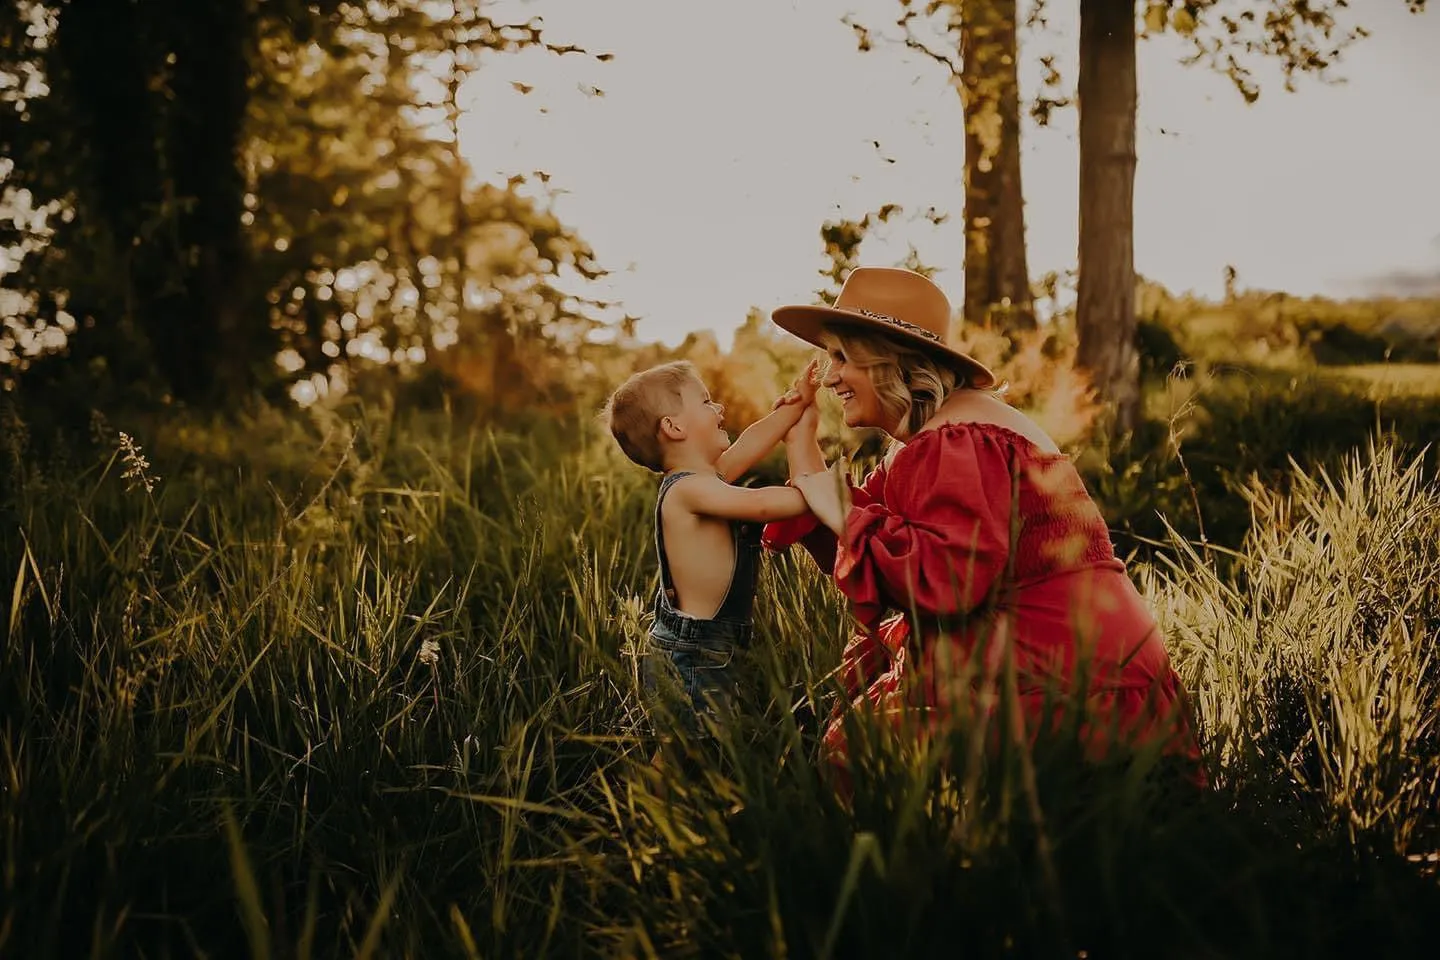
(1316, 661)
(367, 688)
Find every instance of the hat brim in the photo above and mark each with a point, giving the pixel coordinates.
(808, 322)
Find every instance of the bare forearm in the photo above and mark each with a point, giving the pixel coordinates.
(757, 440)
(775, 503)
(713, 497)
(802, 455)
(835, 522)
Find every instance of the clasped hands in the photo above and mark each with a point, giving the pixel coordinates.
(826, 491)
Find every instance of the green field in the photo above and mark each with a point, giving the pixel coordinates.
(366, 687)
(1393, 379)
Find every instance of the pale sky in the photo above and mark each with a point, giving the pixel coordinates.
(728, 132)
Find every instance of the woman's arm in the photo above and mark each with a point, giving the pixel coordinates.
(809, 530)
(828, 494)
(934, 537)
(802, 445)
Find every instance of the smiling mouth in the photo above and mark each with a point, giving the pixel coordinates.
(845, 396)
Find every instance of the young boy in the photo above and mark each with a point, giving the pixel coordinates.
(707, 532)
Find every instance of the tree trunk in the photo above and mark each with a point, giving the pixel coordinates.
(106, 86)
(1105, 312)
(208, 345)
(159, 93)
(997, 278)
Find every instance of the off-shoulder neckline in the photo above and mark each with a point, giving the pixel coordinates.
(1016, 438)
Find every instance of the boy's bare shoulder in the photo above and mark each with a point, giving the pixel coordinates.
(692, 497)
(687, 488)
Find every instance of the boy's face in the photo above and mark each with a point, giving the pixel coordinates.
(702, 419)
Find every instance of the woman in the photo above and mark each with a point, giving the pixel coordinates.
(975, 535)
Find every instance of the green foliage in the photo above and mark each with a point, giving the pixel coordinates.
(841, 240)
(1305, 37)
(1210, 439)
(1159, 350)
(1262, 329)
(130, 150)
(365, 683)
(379, 249)
(248, 177)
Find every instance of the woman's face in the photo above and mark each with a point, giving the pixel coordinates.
(851, 383)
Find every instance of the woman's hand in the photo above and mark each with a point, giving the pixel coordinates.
(828, 494)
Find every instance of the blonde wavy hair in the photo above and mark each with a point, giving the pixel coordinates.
(910, 383)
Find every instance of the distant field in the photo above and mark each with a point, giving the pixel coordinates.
(1390, 379)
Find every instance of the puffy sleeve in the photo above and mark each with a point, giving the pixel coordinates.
(939, 538)
(807, 530)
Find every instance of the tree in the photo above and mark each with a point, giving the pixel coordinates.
(1304, 35)
(1105, 307)
(238, 176)
(382, 255)
(983, 68)
(997, 276)
(129, 134)
(158, 120)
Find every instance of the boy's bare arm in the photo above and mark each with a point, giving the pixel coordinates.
(713, 497)
(758, 439)
(761, 437)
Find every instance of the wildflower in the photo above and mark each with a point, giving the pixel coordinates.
(137, 468)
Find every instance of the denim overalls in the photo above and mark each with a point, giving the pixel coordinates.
(696, 654)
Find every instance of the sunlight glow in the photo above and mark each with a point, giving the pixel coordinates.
(702, 180)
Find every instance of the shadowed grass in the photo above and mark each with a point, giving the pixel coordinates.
(368, 688)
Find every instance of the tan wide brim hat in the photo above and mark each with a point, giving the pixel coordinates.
(903, 305)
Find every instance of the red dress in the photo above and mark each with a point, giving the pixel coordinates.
(929, 541)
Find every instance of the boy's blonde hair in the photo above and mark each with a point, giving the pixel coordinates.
(910, 383)
(634, 411)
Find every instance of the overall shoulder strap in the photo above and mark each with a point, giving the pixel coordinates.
(665, 485)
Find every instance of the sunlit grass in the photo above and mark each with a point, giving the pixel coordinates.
(368, 688)
(1393, 379)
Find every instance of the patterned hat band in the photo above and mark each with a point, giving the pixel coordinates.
(895, 322)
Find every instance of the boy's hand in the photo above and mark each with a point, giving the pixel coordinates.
(802, 391)
(808, 382)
